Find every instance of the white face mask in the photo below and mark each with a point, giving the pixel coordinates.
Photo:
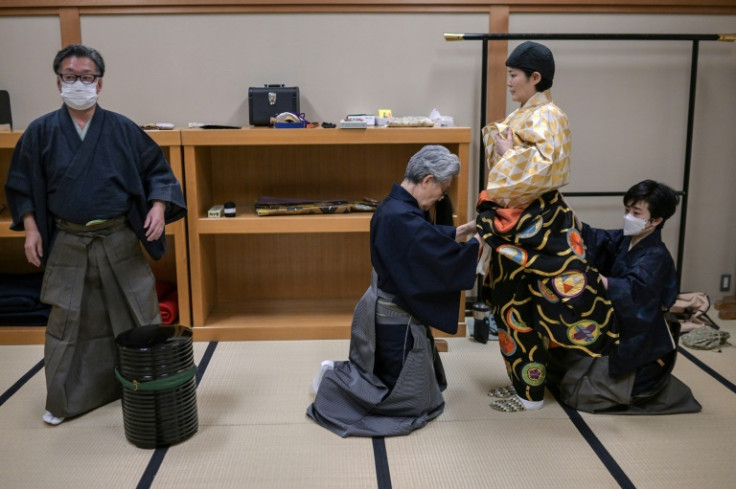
(634, 225)
(79, 96)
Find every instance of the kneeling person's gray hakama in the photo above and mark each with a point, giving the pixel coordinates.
(353, 401)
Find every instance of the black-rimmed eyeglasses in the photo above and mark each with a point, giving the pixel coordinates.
(87, 78)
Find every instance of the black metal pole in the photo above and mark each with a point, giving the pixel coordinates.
(482, 153)
(591, 37)
(484, 107)
(688, 159)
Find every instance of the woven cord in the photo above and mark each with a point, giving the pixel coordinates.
(168, 382)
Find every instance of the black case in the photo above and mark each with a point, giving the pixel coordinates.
(5, 114)
(269, 101)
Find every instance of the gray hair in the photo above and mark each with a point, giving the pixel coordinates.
(80, 51)
(433, 160)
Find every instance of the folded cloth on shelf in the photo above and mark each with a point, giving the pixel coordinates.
(168, 301)
(17, 303)
(410, 121)
(39, 317)
(20, 292)
(163, 289)
(169, 306)
(277, 206)
(20, 303)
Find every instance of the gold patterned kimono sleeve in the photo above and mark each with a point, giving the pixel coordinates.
(540, 158)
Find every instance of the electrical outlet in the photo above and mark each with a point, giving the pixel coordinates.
(725, 282)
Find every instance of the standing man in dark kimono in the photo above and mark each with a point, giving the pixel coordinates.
(88, 186)
(639, 274)
(392, 383)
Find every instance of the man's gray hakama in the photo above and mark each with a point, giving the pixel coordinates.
(99, 285)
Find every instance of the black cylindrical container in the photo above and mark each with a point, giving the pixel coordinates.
(481, 321)
(156, 368)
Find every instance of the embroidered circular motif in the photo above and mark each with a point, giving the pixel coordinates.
(531, 229)
(569, 284)
(546, 292)
(506, 343)
(513, 253)
(533, 374)
(583, 332)
(575, 241)
(513, 319)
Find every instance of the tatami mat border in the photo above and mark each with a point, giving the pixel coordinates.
(383, 474)
(160, 453)
(596, 445)
(21, 382)
(703, 366)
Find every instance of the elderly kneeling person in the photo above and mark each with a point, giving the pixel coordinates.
(392, 382)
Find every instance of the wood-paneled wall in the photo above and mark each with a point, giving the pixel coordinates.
(386, 5)
(70, 11)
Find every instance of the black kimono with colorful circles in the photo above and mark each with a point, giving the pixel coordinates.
(542, 290)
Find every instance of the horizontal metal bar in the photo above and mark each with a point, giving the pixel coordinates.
(591, 37)
(593, 194)
(603, 194)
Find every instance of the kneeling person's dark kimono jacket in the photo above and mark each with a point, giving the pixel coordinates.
(637, 378)
(642, 283)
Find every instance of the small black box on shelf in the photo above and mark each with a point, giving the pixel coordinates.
(269, 101)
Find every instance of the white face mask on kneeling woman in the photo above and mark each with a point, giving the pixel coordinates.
(634, 225)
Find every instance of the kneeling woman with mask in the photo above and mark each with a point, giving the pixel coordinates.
(640, 277)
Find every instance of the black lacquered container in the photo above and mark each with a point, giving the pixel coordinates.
(155, 365)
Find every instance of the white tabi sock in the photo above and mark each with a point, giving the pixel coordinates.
(531, 405)
(49, 418)
(326, 365)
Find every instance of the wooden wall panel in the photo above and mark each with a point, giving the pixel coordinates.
(498, 22)
(71, 29)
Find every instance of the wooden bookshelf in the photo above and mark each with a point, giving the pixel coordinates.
(297, 276)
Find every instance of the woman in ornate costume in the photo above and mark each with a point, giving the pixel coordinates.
(542, 289)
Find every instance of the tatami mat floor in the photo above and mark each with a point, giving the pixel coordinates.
(253, 432)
